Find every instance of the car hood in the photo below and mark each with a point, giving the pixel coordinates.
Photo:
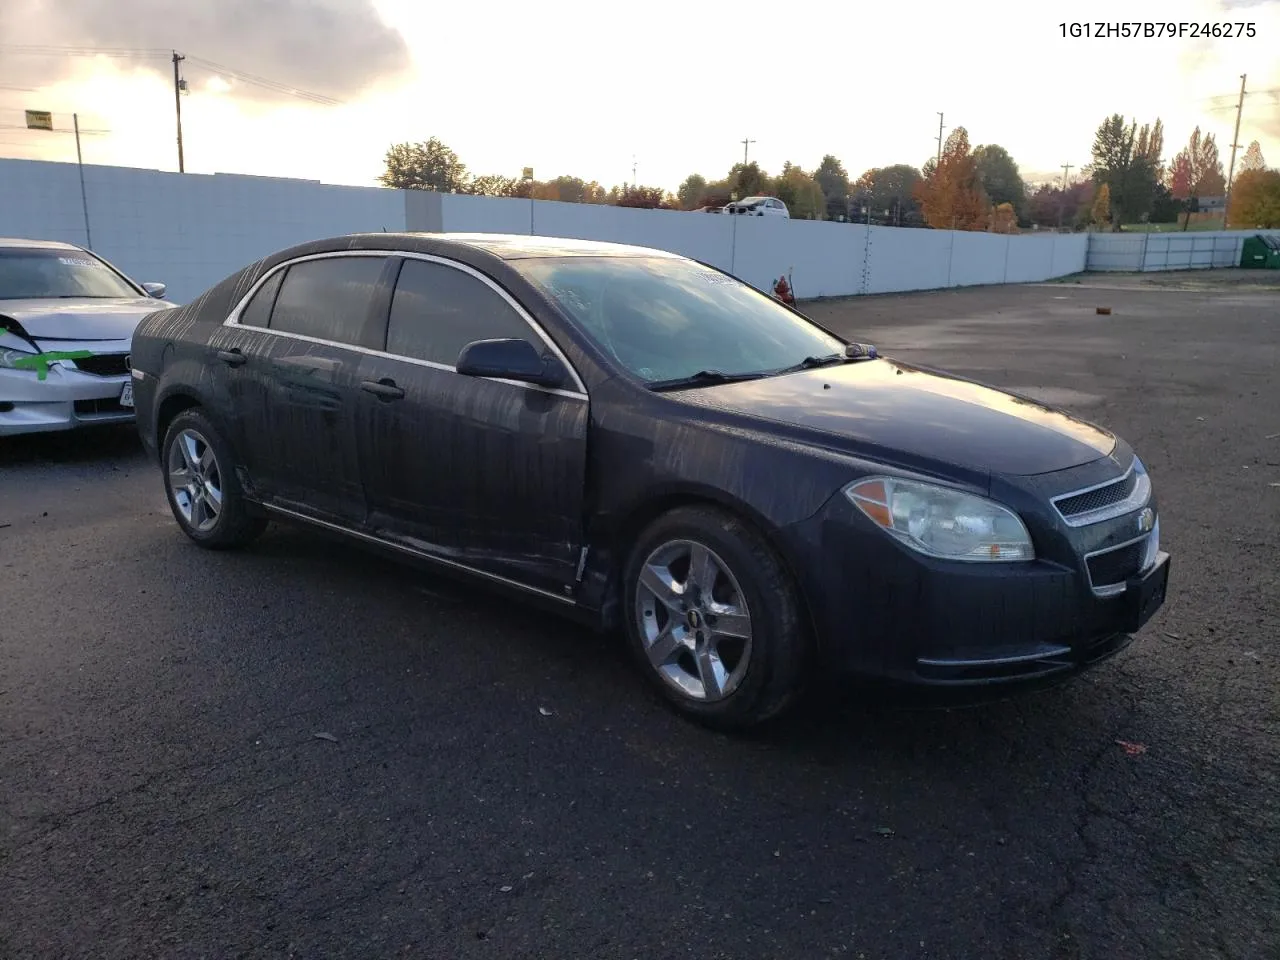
(885, 409)
(87, 318)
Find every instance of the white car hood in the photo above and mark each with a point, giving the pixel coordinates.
(85, 318)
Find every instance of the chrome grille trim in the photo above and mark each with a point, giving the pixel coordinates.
(1149, 555)
(1136, 499)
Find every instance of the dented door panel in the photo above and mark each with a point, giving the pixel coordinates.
(486, 473)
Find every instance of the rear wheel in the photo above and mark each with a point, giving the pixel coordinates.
(202, 487)
(714, 618)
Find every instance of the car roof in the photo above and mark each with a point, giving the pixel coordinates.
(37, 244)
(510, 246)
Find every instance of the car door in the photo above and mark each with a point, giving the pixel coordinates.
(485, 473)
(294, 356)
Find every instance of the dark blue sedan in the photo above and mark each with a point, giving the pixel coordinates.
(647, 443)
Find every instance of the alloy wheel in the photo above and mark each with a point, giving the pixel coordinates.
(195, 480)
(693, 620)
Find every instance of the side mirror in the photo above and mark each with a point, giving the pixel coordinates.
(510, 360)
(155, 290)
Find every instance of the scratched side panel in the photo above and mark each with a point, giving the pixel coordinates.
(487, 473)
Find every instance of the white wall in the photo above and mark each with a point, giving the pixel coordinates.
(1188, 250)
(191, 230)
(186, 230)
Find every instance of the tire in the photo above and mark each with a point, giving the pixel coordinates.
(672, 625)
(209, 506)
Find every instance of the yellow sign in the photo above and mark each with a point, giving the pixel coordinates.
(39, 120)
(527, 173)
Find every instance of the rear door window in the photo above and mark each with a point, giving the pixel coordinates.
(437, 310)
(331, 299)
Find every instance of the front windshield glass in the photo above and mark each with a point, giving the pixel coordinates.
(51, 274)
(663, 319)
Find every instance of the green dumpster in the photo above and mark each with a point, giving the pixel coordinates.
(1261, 251)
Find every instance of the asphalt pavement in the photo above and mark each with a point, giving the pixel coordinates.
(305, 750)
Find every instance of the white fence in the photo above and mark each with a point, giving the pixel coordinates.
(191, 230)
(1166, 251)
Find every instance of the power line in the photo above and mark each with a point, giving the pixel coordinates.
(264, 82)
(21, 126)
(152, 53)
(48, 50)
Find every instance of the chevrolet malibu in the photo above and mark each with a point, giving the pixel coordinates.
(66, 318)
(648, 443)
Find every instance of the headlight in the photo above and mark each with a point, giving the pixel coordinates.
(942, 522)
(10, 358)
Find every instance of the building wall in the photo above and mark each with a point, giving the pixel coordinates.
(191, 230)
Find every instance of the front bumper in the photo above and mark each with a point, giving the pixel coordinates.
(67, 398)
(881, 610)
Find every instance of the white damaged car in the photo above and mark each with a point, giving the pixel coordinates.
(66, 322)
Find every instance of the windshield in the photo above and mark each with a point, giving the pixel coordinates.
(665, 319)
(50, 274)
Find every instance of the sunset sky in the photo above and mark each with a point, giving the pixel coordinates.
(581, 88)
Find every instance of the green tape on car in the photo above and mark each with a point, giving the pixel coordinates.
(39, 362)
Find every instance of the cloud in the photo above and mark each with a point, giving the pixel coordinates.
(332, 47)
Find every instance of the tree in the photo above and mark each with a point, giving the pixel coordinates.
(692, 191)
(491, 185)
(892, 189)
(1003, 219)
(1180, 176)
(1252, 159)
(952, 197)
(1052, 206)
(1102, 204)
(637, 196)
(1197, 172)
(747, 180)
(1129, 162)
(999, 176)
(424, 166)
(1255, 200)
(1165, 208)
(800, 192)
(833, 179)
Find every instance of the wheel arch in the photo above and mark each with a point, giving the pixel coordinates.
(621, 540)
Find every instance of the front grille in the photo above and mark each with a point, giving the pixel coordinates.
(1097, 499)
(100, 407)
(105, 364)
(1117, 566)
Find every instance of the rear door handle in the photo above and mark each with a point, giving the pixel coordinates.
(233, 358)
(384, 389)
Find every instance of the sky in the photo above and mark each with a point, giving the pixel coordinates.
(589, 89)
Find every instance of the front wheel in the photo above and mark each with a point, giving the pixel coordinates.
(201, 484)
(715, 619)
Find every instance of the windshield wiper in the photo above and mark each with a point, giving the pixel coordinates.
(703, 378)
(809, 363)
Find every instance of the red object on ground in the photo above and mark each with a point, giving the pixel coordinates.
(783, 292)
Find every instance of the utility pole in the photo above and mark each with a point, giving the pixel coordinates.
(1235, 142)
(177, 105)
(1066, 169)
(84, 197)
(633, 170)
(745, 144)
(939, 161)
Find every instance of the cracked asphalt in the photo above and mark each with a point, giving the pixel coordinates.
(497, 783)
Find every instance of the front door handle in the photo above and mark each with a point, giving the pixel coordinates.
(384, 389)
(232, 357)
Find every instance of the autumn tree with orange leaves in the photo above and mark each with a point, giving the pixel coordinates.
(951, 195)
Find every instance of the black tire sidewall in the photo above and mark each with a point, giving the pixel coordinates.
(778, 659)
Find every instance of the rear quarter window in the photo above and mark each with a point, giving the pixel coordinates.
(257, 312)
